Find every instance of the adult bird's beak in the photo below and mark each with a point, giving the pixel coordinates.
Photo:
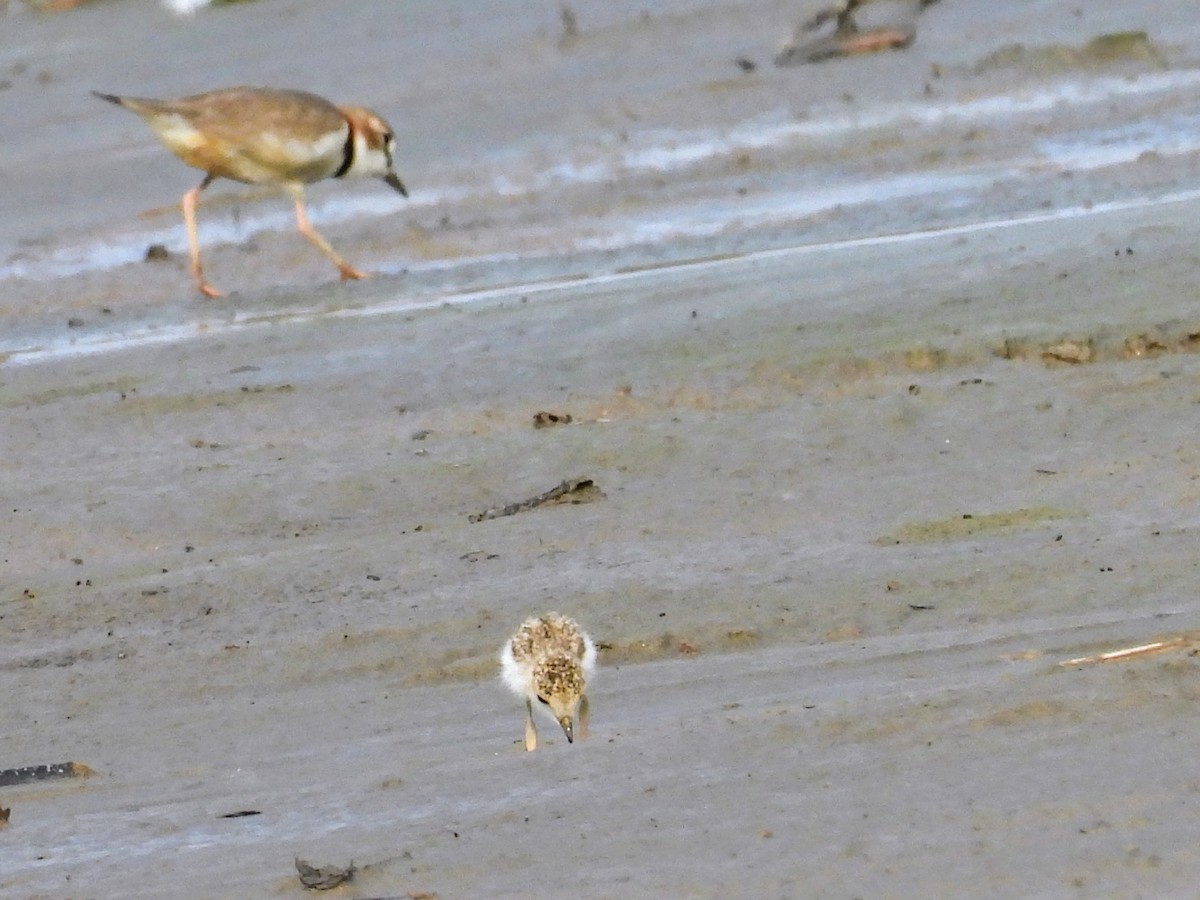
(394, 180)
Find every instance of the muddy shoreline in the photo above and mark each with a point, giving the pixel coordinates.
(869, 478)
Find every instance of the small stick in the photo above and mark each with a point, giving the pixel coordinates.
(573, 490)
(41, 773)
(1125, 653)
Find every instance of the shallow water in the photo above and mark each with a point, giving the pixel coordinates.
(1075, 146)
(21, 351)
(770, 169)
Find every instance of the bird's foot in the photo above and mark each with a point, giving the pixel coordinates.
(349, 273)
(208, 290)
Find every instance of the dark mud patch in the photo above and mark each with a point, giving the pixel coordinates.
(672, 645)
(1032, 712)
(168, 404)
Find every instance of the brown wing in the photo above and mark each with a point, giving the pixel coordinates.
(252, 134)
(299, 135)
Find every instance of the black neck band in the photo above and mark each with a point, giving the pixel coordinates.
(347, 151)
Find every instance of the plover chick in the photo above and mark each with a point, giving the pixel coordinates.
(548, 662)
(267, 136)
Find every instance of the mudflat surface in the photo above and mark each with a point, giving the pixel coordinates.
(892, 399)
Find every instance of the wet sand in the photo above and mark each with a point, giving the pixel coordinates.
(867, 483)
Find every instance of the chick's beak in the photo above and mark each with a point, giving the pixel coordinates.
(394, 180)
(568, 727)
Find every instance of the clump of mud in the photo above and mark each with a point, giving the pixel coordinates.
(1101, 346)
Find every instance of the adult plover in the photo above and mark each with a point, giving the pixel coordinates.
(268, 136)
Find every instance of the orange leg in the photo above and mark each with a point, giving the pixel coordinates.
(348, 271)
(190, 201)
(874, 41)
(530, 728)
(583, 718)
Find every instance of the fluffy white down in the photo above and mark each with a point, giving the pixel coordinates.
(515, 677)
(589, 658)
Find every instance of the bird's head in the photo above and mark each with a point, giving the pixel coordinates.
(373, 143)
(560, 685)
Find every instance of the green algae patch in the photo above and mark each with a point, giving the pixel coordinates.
(1101, 52)
(135, 404)
(968, 525)
(116, 388)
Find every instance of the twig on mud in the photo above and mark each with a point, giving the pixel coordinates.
(1126, 652)
(41, 773)
(573, 490)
